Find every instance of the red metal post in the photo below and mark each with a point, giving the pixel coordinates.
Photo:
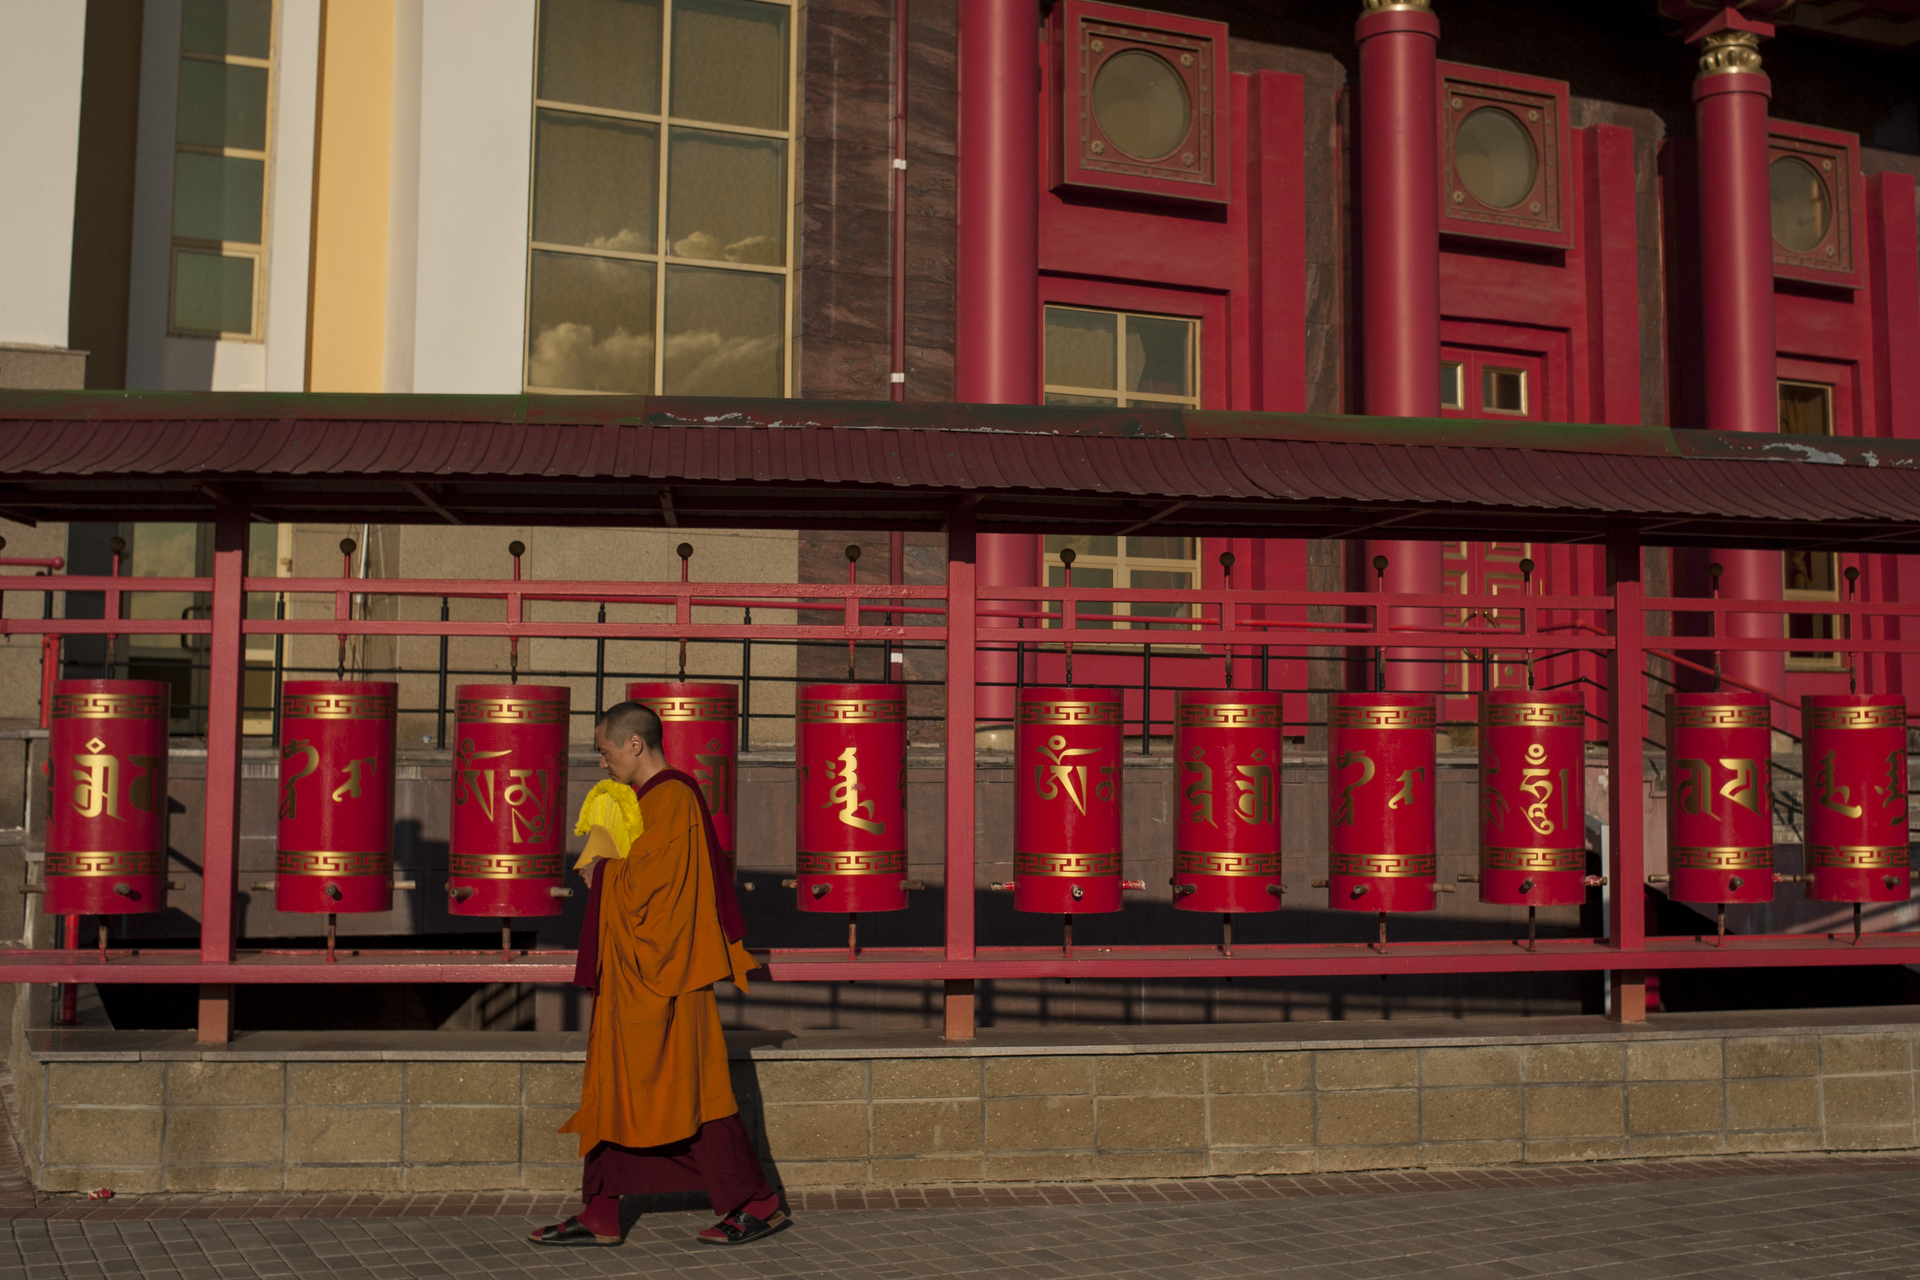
(1626, 721)
(1400, 273)
(227, 661)
(961, 604)
(997, 330)
(1730, 99)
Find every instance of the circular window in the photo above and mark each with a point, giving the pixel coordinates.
(1802, 209)
(1494, 158)
(1141, 104)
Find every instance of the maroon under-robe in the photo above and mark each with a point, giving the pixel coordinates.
(719, 1160)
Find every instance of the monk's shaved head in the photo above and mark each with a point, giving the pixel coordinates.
(624, 720)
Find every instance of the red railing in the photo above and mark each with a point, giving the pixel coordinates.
(1219, 621)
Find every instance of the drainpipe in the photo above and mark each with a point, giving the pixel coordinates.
(1400, 275)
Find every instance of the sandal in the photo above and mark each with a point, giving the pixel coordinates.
(744, 1228)
(572, 1232)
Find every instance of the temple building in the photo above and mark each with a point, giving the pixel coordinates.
(1073, 478)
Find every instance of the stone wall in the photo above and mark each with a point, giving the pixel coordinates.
(424, 1111)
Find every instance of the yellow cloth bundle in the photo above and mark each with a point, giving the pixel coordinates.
(614, 808)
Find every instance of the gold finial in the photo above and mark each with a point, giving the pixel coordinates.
(1729, 50)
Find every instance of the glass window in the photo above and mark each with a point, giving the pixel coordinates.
(1120, 358)
(1802, 208)
(1494, 157)
(1806, 409)
(221, 127)
(1141, 104)
(1144, 564)
(622, 192)
(1450, 385)
(1503, 390)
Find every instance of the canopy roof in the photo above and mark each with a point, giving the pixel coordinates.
(652, 461)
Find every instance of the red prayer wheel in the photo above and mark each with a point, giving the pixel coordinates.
(1380, 789)
(507, 840)
(700, 734)
(1719, 789)
(107, 824)
(1226, 830)
(1856, 800)
(1066, 809)
(1533, 826)
(336, 796)
(851, 749)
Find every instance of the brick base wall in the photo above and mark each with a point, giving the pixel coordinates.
(148, 1112)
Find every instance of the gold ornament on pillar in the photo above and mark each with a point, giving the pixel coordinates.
(1729, 50)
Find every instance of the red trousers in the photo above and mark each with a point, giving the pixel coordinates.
(719, 1160)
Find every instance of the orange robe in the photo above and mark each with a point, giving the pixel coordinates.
(656, 1057)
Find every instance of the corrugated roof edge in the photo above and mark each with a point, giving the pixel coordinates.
(670, 411)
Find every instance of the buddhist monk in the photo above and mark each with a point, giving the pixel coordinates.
(657, 1113)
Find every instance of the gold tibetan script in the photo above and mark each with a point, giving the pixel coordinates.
(845, 793)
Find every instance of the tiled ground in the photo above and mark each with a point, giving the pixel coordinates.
(1853, 1219)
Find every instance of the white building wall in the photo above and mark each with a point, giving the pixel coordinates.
(290, 194)
(42, 52)
(475, 107)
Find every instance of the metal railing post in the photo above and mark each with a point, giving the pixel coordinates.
(440, 730)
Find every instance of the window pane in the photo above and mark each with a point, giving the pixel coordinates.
(1503, 390)
(1493, 154)
(1063, 397)
(1157, 352)
(212, 294)
(723, 333)
(1809, 571)
(730, 62)
(592, 324)
(240, 27)
(1080, 348)
(1806, 409)
(1802, 209)
(1141, 104)
(596, 181)
(601, 53)
(726, 197)
(1083, 545)
(1450, 386)
(217, 197)
(1158, 549)
(222, 105)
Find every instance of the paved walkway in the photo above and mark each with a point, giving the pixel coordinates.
(1804, 1216)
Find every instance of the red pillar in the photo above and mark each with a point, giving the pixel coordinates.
(1730, 99)
(1400, 273)
(997, 338)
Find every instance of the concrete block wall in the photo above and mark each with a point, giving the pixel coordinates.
(1174, 1114)
(151, 1112)
(300, 1126)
